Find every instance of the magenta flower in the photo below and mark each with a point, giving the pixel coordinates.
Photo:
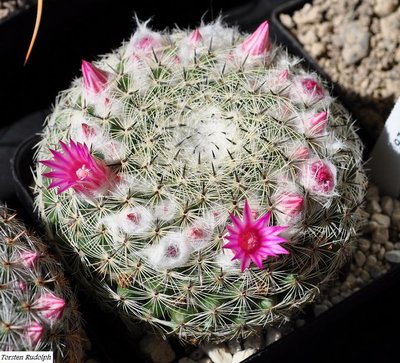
(29, 258)
(312, 88)
(319, 176)
(34, 332)
(76, 168)
(257, 43)
(195, 37)
(50, 306)
(253, 240)
(290, 203)
(317, 123)
(94, 79)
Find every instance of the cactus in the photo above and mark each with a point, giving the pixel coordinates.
(202, 180)
(37, 308)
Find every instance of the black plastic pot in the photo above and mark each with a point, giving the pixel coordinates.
(350, 325)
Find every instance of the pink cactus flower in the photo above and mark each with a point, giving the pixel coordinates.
(29, 258)
(94, 79)
(317, 123)
(253, 240)
(34, 332)
(257, 43)
(319, 176)
(76, 168)
(312, 88)
(50, 306)
(290, 204)
(195, 38)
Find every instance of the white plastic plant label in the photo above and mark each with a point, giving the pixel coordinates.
(384, 163)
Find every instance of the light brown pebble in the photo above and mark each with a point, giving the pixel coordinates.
(374, 207)
(396, 219)
(364, 244)
(371, 260)
(286, 20)
(372, 193)
(218, 353)
(389, 246)
(385, 7)
(359, 258)
(380, 234)
(382, 219)
(375, 248)
(254, 342)
(364, 275)
(243, 354)
(387, 205)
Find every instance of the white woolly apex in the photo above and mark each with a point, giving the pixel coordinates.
(198, 234)
(172, 251)
(224, 260)
(218, 36)
(132, 221)
(165, 210)
(206, 137)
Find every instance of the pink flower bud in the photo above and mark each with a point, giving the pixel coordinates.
(22, 285)
(257, 43)
(94, 79)
(317, 123)
(290, 203)
(88, 131)
(195, 38)
(34, 332)
(283, 76)
(312, 88)
(319, 176)
(301, 153)
(29, 258)
(50, 306)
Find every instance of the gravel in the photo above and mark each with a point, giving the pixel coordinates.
(357, 44)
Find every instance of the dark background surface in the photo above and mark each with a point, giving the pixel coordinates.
(367, 328)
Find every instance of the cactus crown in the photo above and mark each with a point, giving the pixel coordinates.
(37, 308)
(208, 137)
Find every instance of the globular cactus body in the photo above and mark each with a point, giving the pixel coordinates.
(37, 307)
(204, 179)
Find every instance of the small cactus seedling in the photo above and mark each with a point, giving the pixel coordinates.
(37, 308)
(204, 181)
